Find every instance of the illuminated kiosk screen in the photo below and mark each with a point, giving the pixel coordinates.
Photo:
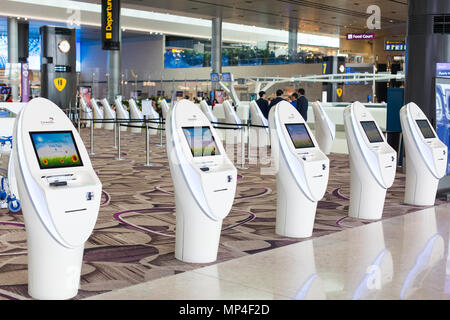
(201, 141)
(425, 128)
(299, 135)
(56, 149)
(371, 130)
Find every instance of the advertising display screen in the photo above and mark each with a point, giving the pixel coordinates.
(55, 149)
(215, 77)
(201, 141)
(371, 130)
(443, 112)
(425, 128)
(226, 76)
(299, 135)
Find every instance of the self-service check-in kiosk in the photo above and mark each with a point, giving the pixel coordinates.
(204, 180)
(164, 108)
(302, 174)
(60, 195)
(231, 117)
(135, 114)
(372, 163)
(109, 114)
(98, 113)
(258, 119)
(426, 156)
(324, 128)
(86, 113)
(121, 112)
(207, 111)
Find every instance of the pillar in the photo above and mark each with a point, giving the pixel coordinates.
(216, 45)
(292, 41)
(13, 52)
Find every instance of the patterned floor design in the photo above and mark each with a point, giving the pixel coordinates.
(134, 241)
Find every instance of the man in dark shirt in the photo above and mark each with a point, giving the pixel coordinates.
(302, 104)
(275, 101)
(263, 104)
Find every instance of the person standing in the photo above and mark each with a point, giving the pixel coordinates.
(302, 104)
(294, 99)
(262, 103)
(275, 101)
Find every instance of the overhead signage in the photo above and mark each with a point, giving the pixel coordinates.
(360, 36)
(111, 24)
(395, 46)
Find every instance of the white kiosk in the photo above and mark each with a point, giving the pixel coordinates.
(324, 128)
(109, 114)
(60, 195)
(426, 156)
(121, 112)
(204, 181)
(257, 117)
(207, 110)
(86, 112)
(152, 115)
(302, 171)
(164, 108)
(98, 113)
(135, 114)
(372, 163)
(232, 136)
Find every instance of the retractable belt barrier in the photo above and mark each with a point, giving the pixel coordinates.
(126, 123)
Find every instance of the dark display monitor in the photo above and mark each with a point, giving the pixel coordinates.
(299, 135)
(201, 141)
(226, 76)
(425, 128)
(56, 149)
(371, 130)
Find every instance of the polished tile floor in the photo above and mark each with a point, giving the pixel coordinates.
(405, 257)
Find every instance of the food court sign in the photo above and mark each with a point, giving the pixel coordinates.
(360, 36)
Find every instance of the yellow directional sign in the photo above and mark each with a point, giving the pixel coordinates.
(60, 83)
(339, 92)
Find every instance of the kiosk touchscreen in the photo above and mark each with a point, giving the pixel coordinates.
(302, 171)
(135, 115)
(426, 156)
(86, 112)
(121, 112)
(372, 163)
(109, 114)
(257, 118)
(60, 195)
(204, 180)
(98, 113)
(325, 129)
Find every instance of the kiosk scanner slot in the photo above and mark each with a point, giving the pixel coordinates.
(60, 195)
(324, 128)
(204, 181)
(426, 156)
(373, 163)
(302, 171)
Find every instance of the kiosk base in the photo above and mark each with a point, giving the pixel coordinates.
(295, 213)
(53, 270)
(197, 240)
(366, 202)
(420, 190)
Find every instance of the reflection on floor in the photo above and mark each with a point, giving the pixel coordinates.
(133, 241)
(405, 257)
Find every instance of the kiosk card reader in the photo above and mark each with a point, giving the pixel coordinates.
(110, 114)
(204, 180)
(426, 156)
(121, 112)
(325, 129)
(60, 195)
(372, 163)
(302, 171)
